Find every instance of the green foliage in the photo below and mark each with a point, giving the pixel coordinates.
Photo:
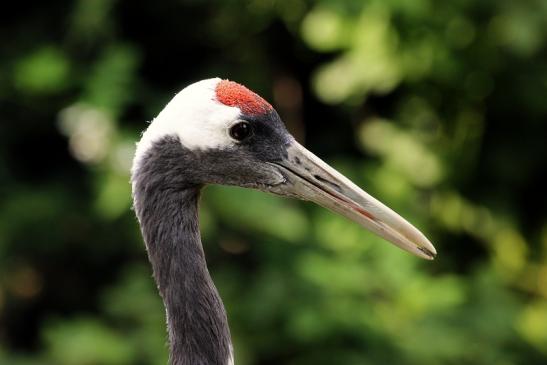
(86, 341)
(436, 108)
(43, 71)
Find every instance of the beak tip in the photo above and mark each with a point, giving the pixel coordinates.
(427, 253)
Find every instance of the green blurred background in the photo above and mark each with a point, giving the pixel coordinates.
(438, 109)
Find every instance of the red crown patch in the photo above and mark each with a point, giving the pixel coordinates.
(231, 93)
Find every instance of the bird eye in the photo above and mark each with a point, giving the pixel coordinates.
(240, 131)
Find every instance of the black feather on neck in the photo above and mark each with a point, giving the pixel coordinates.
(166, 204)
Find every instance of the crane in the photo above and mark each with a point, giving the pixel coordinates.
(219, 132)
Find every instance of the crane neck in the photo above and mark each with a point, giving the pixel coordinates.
(167, 210)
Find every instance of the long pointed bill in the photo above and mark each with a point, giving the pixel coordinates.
(309, 178)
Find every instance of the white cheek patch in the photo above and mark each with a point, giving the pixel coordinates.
(196, 117)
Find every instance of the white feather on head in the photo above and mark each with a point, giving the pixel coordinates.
(195, 116)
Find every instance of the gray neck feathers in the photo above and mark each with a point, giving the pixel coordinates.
(166, 204)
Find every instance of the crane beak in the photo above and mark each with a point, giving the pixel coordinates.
(309, 178)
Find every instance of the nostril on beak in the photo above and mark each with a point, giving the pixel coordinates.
(330, 183)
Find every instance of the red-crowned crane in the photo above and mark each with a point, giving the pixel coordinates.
(219, 132)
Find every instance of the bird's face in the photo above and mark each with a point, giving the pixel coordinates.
(234, 137)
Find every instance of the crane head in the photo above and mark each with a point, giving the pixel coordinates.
(229, 135)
